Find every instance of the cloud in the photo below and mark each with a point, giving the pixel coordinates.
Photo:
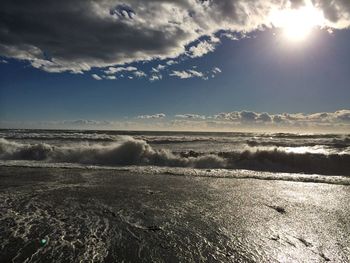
(83, 122)
(95, 76)
(75, 36)
(201, 49)
(338, 117)
(336, 12)
(158, 68)
(139, 74)
(338, 121)
(155, 77)
(230, 35)
(110, 77)
(190, 116)
(113, 70)
(186, 74)
(342, 115)
(264, 117)
(171, 62)
(154, 116)
(216, 70)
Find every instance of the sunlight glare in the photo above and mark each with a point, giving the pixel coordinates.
(297, 24)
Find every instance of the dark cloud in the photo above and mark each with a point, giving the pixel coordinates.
(74, 36)
(336, 11)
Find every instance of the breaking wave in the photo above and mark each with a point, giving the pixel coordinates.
(130, 151)
(127, 152)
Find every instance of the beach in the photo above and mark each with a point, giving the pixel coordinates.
(174, 131)
(115, 216)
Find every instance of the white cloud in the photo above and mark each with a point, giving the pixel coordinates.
(155, 77)
(154, 116)
(171, 62)
(95, 76)
(185, 74)
(158, 68)
(201, 49)
(230, 35)
(181, 74)
(110, 77)
(190, 116)
(216, 70)
(113, 70)
(191, 73)
(338, 121)
(140, 74)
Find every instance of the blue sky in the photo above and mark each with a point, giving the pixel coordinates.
(261, 71)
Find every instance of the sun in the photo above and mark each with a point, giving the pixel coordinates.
(297, 24)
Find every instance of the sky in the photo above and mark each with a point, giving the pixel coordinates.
(175, 65)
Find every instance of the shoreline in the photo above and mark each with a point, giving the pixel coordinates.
(211, 173)
(117, 215)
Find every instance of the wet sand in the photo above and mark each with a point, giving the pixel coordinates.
(115, 216)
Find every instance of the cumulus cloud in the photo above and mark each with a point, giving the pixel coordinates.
(341, 116)
(251, 117)
(75, 36)
(154, 116)
(338, 121)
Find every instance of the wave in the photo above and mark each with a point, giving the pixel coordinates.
(186, 171)
(60, 136)
(336, 144)
(127, 152)
(130, 151)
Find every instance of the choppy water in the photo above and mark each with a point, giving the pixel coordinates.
(107, 196)
(322, 154)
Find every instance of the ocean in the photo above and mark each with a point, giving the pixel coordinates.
(130, 196)
(279, 155)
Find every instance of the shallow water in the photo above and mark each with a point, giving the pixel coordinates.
(109, 215)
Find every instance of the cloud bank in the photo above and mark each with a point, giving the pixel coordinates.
(76, 36)
(338, 121)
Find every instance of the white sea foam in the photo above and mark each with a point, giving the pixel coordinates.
(280, 152)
